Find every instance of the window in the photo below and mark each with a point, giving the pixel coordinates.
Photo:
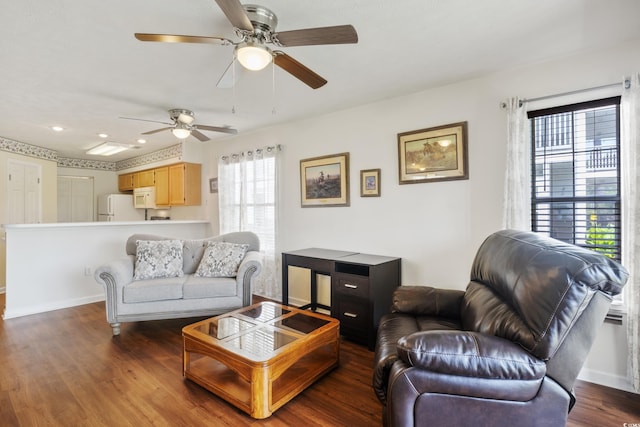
(247, 197)
(575, 195)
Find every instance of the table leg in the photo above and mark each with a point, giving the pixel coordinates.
(260, 393)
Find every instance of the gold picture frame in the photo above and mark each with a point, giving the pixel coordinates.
(433, 154)
(370, 183)
(324, 181)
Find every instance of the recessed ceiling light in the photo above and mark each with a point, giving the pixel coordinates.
(103, 135)
(142, 141)
(57, 128)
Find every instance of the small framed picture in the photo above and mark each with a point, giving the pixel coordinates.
(370, 183)
(324, 181)
(213, 185)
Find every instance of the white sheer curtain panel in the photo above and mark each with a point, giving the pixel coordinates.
(248, 201)
(630, 138)
(517, 179)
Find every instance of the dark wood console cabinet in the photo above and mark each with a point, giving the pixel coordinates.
(362, 286)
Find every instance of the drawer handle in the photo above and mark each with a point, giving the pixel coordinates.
(350, 286)
(350, 314)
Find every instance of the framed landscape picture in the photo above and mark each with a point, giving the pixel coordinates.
(433, 154)
(324, 181)
(370, 183)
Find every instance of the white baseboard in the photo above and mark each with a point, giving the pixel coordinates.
(605, 379)
(10, 314)
(3, 289)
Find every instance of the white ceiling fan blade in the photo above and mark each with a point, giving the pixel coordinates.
(231, 76)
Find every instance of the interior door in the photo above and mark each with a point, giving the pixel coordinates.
(24, 206)
(75, 199)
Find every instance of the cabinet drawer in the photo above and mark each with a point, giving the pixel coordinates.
(353, 314)
(349, 284)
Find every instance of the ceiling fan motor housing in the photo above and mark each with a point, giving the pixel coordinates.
(179, 115)
(264, 21)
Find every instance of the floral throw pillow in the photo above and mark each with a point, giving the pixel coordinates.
(221, 259)
(158, 259)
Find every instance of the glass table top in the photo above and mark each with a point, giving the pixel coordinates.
(300, 323)
(259, 330)
(224, 327)
(265, 312)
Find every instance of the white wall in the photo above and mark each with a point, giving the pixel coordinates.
(67, 254)
(435, 227)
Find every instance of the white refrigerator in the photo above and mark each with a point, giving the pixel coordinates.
(118, 207)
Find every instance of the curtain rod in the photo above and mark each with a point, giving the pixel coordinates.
(626, 82)
(627, 85)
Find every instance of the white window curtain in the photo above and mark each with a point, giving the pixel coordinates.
(248, 201)
(517, 180)
(630, 138)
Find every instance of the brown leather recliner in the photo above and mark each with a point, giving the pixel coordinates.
(505, 352)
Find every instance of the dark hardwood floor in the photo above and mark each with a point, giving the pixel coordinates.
(63, 368)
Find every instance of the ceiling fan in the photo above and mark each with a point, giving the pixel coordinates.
(256, 27)
(182, 125)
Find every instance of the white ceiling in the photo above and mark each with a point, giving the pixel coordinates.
(76, 63)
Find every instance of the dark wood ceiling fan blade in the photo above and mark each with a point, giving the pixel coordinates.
(235, 13)
(156, 131)
(339, 34)
(218, 129)
(201, 136)
(298, 70)
(178, 38)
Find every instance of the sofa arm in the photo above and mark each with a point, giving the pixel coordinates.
(248, 269)
(113, 276)
(427, 301)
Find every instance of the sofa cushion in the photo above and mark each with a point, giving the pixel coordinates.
(158, 259)
(192, 253)
(153, 290)
(208, 287)
(221, 259)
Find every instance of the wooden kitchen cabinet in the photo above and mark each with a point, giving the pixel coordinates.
(145, 178)
(176, 185)
(185, 184)
(162, 186)
(125, 182)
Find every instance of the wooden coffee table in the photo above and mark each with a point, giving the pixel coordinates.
(260, 357)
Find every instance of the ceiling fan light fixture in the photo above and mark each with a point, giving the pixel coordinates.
(253, 56)
(181, 131)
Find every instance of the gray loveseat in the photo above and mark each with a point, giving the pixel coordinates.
(129, 300)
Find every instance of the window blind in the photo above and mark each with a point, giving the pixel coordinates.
(576, 174)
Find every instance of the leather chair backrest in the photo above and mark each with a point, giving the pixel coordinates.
(532, 289)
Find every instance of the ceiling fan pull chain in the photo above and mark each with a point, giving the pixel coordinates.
(233, 72)
(273, 86)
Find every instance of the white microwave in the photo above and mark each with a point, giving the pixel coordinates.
(144, 197)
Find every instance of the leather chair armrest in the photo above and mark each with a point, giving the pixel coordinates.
(469, 354)
(427, 301)
(391, 328)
